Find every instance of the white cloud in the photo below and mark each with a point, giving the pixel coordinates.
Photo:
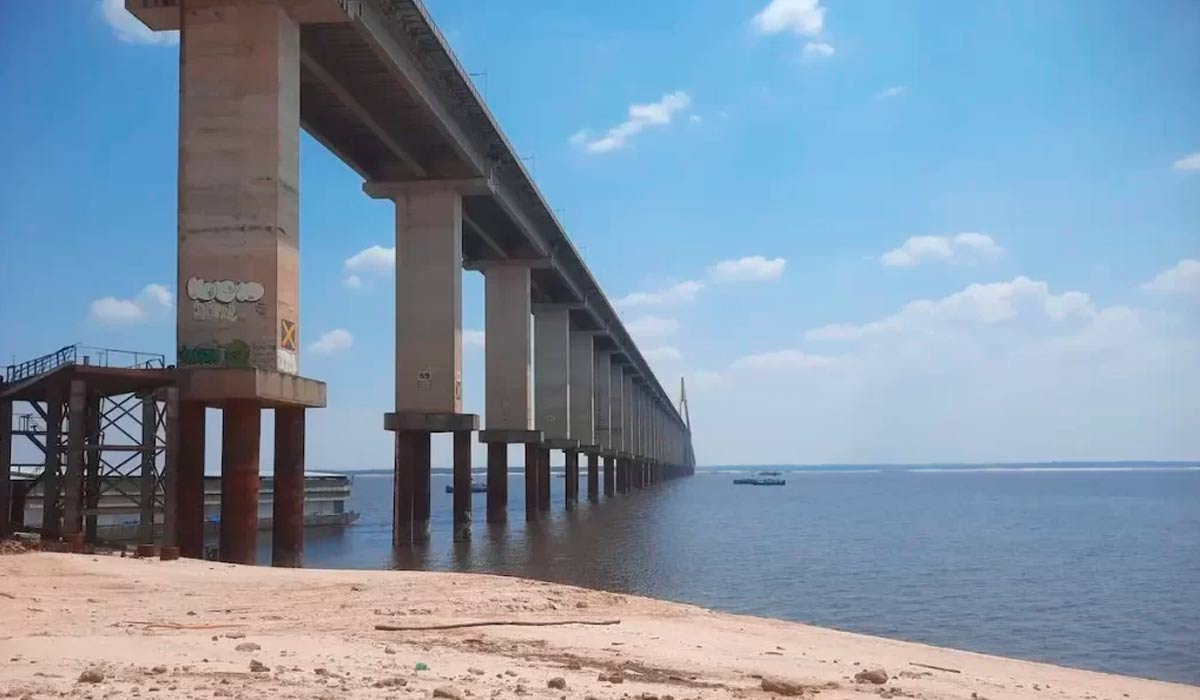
(963, 248)
(1188, 162)
(818, 49)
(473, 338)
(978, 304)
(893, 91)
(803, 17)
(154, 301)
(1184, 278)
(647, 327)
(663, 353)
(641, 117)
(754, 268)
(681, 293)
(783, 359)
(373, 259)
(332, 341)
(130, 29)
(695, 119)
(353, 282)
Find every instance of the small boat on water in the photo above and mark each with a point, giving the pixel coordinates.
(770, 473)
(759, 481)
(476, 487)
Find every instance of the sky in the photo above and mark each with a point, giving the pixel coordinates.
(861, 232)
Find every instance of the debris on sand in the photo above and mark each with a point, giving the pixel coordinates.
(247, 646)
(91, 675)
(873, 675)
(257, 666)
(447, 692)
(782, 687)
(558, 683)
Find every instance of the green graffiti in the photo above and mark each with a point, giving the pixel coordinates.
(190, 355)
(234, 354)
(237, 354)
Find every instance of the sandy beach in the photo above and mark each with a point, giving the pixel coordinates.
(100, 626)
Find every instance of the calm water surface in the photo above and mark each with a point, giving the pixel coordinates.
(1089, 568)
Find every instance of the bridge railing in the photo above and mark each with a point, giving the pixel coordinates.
(84, 354)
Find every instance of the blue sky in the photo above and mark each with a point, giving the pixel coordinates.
(949, 231)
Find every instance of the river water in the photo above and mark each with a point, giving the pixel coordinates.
(1094, 567)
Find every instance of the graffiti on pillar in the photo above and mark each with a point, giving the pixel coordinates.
(287, 334)
(215, 300)
(285, 361)
(235, 353)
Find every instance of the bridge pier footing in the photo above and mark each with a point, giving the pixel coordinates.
(497, 482)
(593, 477)
(462, 486)
(610, 475)
(241, 429)
(571, 467)
(533, 473)
(287, 522)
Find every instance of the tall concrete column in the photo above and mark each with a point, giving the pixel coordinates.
(601, 397)
(593, 477)
(73, 477)
(552, 388)
(147, 483)
(189, 481)
(239, 167)
(241, 429)
(462, 486)
(497, 482)
(508, 399)
(583, 418)
(287, 517)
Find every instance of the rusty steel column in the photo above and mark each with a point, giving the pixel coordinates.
(146, 482)
(241, 430)
(421, 488)
(170, 398)
(610, 475)
(533, 472)
(497, 482)
(91, 468)
(462, 486)
(287, 517)
(571, 462)
(544, 478)
(189, 481)
(51, 513)
(402, 493)
(593, 477)
(6, 491)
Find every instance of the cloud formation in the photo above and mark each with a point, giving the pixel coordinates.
(332, 341)
(681, 293)
(753, 268)
(641, 117)
(662, 353)
(893, 91)
(473, 338)
(965, 248)
(130, 29)
(648, 327)
(376, 260)
(1184, 278)
(783, 360)
(801, 17)
(1188, 162)
(978, 304)
(154, 301)
(818, 49)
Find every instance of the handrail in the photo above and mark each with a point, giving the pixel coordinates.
(71, 354)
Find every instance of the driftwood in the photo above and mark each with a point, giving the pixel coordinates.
(178, 626)
(494, 623)
(936, 668)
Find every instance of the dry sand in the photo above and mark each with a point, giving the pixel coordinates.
(146, 628)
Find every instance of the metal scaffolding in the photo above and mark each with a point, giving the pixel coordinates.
(98, 424)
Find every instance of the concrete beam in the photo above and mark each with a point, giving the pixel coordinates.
(551, 378)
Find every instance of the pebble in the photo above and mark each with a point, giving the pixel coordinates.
(91, 675)
(247, 646)
(393, 682)
(389, 650)
(558, 683)
(258, 667)
(476, 671)
(782, 687)
(873, 675)
(447, 692)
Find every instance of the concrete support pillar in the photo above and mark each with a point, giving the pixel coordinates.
(610, 475)
(552, 371)
(147, 483)
(593, 477)
(239, 135)
(51, 503)
(189, 481)
(533, 471)
(287, 530)
(602, 397)
(422, 469)
(91, 466)
(582, 394)
(462, 486)
(170, 396)
(73, 477)
(506, 355)
(616, 416)
(241, 429)
(571, 467)
(497, 482)
(544, 478)
(6, 441)
(402, 490)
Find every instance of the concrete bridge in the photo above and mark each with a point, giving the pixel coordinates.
(377, 84)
